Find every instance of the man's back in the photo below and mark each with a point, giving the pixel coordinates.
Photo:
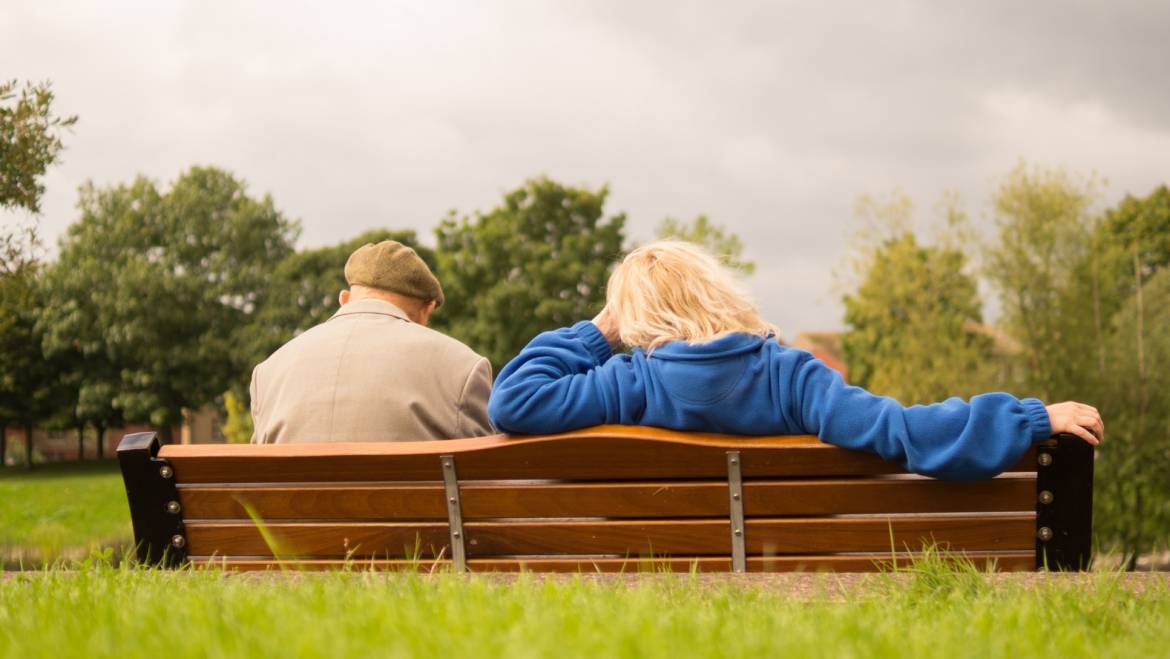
(369, 374)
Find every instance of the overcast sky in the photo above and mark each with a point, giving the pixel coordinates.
(769, 117)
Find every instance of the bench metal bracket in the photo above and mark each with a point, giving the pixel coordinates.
(159, 535)
(1064, 504)
(738, 529)
(454, 512)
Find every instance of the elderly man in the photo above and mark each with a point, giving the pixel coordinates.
(374, 372)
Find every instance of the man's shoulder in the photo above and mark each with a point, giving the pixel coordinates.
(452, 348)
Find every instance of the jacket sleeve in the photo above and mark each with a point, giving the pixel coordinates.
(952, 439)
(473, 414)
(562, 380)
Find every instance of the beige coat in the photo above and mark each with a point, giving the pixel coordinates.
(369, 374)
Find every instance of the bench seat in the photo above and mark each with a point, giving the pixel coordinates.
(610, 498)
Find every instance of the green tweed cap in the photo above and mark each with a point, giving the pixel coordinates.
(392, 266)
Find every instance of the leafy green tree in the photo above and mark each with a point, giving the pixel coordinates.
(1136, 226)
(717, 240)
(1133, 467)
(538, 261)
(914, 316)
(1086, 297)
(30, 142)
(1043, 219)
(32, 388)
(1126, 271)
(155, 285)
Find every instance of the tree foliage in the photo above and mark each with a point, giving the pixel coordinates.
(32, 388)
(1043, 221)
(1086, 296)
(30, 142)
(724, 244)
(538, 261)
(914, 315)
(1128, 266)
(1133, 467)
(153, 285)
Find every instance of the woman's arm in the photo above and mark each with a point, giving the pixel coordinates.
(952, 439)
(563, 380)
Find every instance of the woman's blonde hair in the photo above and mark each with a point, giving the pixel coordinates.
(676, 291)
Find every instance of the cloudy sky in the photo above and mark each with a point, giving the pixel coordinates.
(769, 117)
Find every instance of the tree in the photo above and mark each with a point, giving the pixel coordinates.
(724, 244)
(538, 261)
(30, 142)
(1140, 224)
(1130, 249)
(155, 285)
(1087, 298)
(1044, 223)
(1133, 471)
(31, 387)
(914, 316)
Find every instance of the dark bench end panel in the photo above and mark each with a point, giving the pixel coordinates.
(1064, 504)
(154, 501)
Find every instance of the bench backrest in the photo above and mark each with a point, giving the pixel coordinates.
(605, 498)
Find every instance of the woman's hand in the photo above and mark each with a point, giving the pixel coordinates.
(1079, 419)
(606, 322)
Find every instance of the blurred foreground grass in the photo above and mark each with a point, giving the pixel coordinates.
(60, 511)
(932, 611)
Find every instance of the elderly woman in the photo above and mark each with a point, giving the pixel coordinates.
(702, 359)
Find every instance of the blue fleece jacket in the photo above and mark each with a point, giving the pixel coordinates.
(745, 385)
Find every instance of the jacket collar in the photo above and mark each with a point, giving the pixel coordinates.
(371, 306)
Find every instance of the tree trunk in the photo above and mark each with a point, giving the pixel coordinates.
(28, 446)
(101, 438)
(3, 443)
(165, 434)
(80, 442)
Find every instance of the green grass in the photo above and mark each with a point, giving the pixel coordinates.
(126, 612)
(61, 511)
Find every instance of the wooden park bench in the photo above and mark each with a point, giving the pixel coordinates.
(608, 498)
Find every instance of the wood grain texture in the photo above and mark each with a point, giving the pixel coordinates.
(1003, 561)
(616, 537)
(613, 500)
(600, 453)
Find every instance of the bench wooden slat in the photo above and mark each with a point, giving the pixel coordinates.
(1003, 560)
(617, 500)
(622, 537)
(600, 453)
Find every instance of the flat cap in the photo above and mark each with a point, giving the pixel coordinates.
(392, 266)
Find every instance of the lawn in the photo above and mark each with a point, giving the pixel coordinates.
(95, 609)
(127, 612)
(61, 511)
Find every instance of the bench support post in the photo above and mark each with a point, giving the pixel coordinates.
(1064, 504)
(735, 501)
(159, 535)
(454, 512)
